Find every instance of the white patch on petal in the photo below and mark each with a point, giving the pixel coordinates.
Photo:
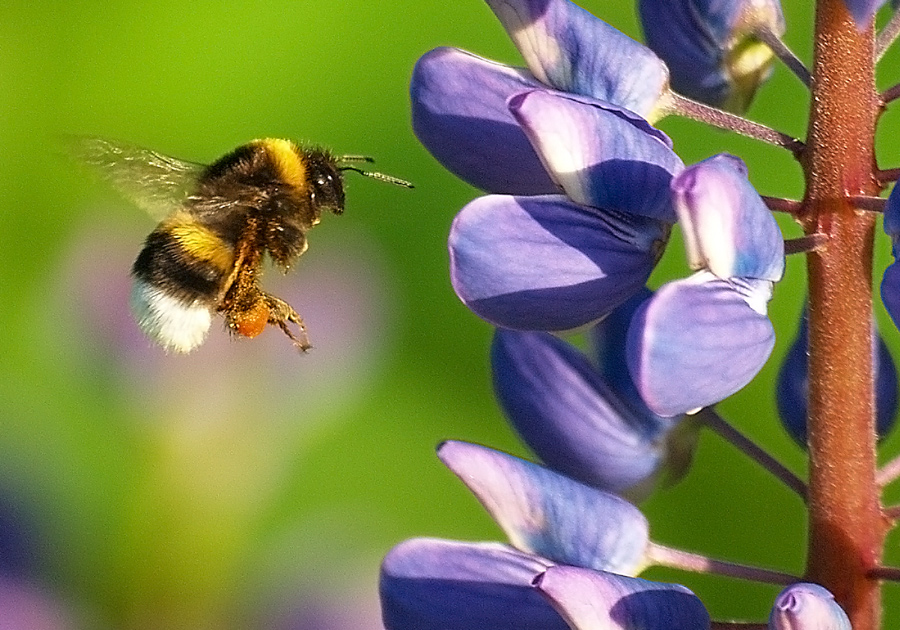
(538, 47)
(170, 322)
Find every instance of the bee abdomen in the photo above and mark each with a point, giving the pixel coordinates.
(170, 322)
(178, 280)
(165, 263)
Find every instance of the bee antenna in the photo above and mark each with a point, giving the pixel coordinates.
(379, 176)
(356, 158)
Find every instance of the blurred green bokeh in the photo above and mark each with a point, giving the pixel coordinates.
(230, 488)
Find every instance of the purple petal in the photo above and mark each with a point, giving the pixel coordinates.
(594, 600)
(727, 227)
(682, 435)
(863, 11)
(890, 283)
(569, 49)
(608, 341)
(431, 584)
(574, 421)
(549, 514)
(600, 155)
(890, 292)
(792, 393)
(892, 217)
(459, 114)
(807, 607)
(544, 263)
(710, 46)
(699, 340)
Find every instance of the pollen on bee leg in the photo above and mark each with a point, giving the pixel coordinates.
(251, 322)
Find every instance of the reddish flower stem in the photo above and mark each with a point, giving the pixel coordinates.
(846, 528)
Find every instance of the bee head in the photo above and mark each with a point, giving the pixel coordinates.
(326, 181)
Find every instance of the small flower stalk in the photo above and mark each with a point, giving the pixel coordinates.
(581, 194)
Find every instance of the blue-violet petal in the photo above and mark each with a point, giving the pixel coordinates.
(459, 114)
(547, 513)
(727, 227)
(432, 584)
(573, 421)
(699, 340)
(792, 389)
(544, 263)
(599, 154)
(570, 50)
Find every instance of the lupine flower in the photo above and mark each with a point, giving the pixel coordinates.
(459, 110)
(711, 48)
(589, 424)
(570, 241)
(550, 520)
(592, 257)
(792, 390)
(432, 584)
(701, 339)
(579, 110)
(807, 607)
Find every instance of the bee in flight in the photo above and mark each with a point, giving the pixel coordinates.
(216, 223)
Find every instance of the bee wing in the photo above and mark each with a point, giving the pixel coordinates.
(155, 182)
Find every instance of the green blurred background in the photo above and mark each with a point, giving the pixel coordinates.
(244, 486)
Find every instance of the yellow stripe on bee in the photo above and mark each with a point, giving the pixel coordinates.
(201, 243)
(287, 160)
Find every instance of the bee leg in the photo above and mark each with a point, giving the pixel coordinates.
(280, 313)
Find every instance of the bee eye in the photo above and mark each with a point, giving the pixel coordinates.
(321, 181)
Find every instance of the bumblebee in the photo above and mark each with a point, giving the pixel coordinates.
(218, 221)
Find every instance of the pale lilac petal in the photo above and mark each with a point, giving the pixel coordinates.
(569, 49)
(807, 607)
(459, 114)
(574, 421)
(431, 584)
(599, 154)
(699, 340)
(547, 513)
(595, 600)
(544, 263)
(710, 46)
(727, 227)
